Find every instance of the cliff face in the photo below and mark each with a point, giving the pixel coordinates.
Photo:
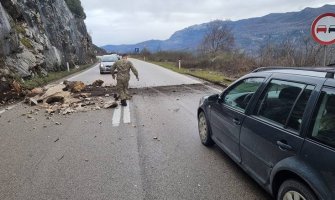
(37, 36)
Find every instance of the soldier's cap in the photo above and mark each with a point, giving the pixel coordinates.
(124, 55)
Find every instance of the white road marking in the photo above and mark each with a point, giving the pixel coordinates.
(6, 109)
(126, 114)
(117, 116)
(10, 107)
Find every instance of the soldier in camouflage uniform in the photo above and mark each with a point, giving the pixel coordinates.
(123, 68)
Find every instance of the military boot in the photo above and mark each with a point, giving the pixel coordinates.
(124, 102)
(116, 97)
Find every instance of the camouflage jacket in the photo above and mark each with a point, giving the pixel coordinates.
(123, 68)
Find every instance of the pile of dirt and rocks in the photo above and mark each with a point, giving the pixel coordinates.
(71, 97)
(10, 89)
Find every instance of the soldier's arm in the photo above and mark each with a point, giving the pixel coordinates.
(133, 69)
(113, 69)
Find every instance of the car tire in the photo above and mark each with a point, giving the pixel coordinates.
(296, 190)
(204, 130)
(101, 72)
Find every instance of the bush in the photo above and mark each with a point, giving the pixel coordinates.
(76, 8)
(26, 43)
(231, 64)
(170, 56)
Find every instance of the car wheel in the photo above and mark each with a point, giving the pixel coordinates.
(204, 132)
(295, 190)
(101, 72)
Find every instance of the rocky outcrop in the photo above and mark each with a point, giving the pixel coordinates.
(38, 36)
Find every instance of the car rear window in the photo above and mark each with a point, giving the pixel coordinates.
(323, 123)
(109, 59)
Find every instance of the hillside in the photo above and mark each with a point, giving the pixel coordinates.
(249, 34)
(42, 35)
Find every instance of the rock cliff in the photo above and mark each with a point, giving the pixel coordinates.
(37, 36)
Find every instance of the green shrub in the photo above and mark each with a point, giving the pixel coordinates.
(26, 43)
(19, 29)
(76, 8)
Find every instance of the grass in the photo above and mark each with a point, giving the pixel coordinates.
(208, 75)
(52, 76)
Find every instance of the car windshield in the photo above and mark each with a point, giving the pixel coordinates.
(109, 59)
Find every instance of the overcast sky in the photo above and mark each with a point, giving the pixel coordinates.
(134, 21)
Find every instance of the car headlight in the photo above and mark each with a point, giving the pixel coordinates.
(101, 65)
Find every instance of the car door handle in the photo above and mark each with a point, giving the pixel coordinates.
(237, 122)
(284, 146)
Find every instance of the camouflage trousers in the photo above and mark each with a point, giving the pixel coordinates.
(122, 89)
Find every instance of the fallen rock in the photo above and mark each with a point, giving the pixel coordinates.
(16, 87)
(32, 102)
(55, 99)
(110, 104)
(68, 111)
(74, 86)
(35, 92)
(52, 90)
(84, 95)
(98, 83)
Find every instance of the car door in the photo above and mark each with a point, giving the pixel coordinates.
(272, 131)
(227, 114)
(319, 148)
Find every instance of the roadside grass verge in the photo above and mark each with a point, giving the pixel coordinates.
(208, 75)
(52, 76)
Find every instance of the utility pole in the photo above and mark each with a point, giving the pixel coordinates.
(325, 56)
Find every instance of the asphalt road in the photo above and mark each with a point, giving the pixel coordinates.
(150, 76)
(149, 150)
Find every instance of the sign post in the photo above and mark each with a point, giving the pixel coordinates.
(323, 31)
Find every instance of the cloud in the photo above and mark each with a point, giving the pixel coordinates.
(129, 21)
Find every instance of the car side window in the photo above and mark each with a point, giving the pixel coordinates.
(278, 100)
(296, 116)
(240, 94)
(323, 123)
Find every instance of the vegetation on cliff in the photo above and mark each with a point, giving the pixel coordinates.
(76, 8)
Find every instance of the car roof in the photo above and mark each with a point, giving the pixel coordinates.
(322, 72)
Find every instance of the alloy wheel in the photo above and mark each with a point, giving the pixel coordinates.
(293, 195)
(203, 129)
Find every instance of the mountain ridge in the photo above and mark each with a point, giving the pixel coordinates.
(274, 25)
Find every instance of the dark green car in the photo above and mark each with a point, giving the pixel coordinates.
(278, 124)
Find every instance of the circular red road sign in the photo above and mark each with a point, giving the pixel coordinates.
(323, 29)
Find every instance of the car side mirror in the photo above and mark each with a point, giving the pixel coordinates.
(221, 98)
(214, 97)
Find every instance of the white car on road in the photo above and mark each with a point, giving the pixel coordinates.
(106, 63)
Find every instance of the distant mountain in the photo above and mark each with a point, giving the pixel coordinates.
(249, 34)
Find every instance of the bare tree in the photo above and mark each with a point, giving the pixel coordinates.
(293, 51)
(219, 38)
